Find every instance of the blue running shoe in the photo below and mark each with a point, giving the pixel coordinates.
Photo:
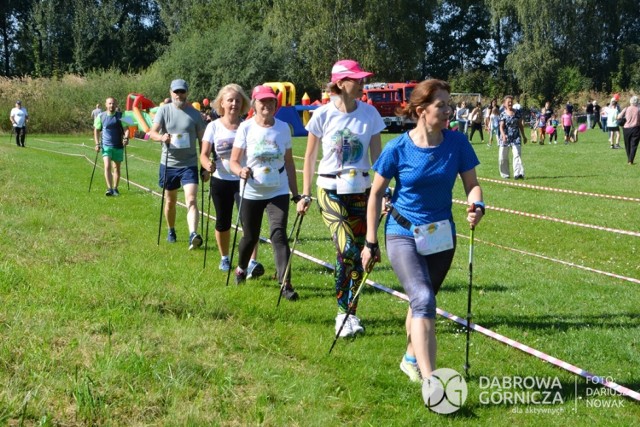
(195, 241)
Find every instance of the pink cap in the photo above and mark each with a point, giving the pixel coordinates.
(263, 92)
(348, 69)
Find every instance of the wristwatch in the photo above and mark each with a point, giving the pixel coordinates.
(371, 246)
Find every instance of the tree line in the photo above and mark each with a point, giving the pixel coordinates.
(545, 49)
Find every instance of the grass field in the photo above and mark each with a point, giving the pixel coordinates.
(100, 326)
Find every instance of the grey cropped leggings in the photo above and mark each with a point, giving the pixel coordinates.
(420, 275)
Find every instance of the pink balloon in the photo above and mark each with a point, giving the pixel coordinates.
(550, 129)
(582, 127)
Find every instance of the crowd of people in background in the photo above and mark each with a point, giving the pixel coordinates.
(547, 121)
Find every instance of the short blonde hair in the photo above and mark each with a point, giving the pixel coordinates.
(232, 87)
(633, 100)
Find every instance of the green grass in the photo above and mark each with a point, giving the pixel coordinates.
(100, 326)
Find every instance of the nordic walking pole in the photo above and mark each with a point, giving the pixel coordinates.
(466, 363)
(206, 236)
(11, 135)
(126, 166)
(235, 233)
(202, 204)
(293, 247)
(293, 227)
(350, 309)
(164, 188)
(95, 163)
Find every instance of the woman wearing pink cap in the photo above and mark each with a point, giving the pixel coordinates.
(347, 129)
(262, 158)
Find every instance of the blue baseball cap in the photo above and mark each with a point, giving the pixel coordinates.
(179, 84)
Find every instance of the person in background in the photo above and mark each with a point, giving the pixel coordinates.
(612, 112)
(462, 113)
(115, 136)
(476, 122)
(603, 118)
(348, 132)
(543, 120)
(487, 116)
(567, 123)
(494, 126)
(511, 136)
(588, 109)
(553, 136)
(420, 231)
(19, 119)
(231, 104)
(631, 128)
(596, 115)
(262, 157)
(179, 127)
(95, 112)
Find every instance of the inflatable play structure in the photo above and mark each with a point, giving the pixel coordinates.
(139, 114)
(297, 116)
(140, 110)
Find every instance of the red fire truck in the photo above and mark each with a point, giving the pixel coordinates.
(386, 97)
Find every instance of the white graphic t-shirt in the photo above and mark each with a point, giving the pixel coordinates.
(221, 138)
(264, 154)
(345, 139)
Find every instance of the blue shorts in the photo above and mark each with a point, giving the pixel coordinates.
(177, 177)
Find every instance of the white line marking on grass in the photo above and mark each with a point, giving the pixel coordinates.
(559, 261)
(559, 190)
(562, 221)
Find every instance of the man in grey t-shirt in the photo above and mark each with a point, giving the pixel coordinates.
(177, 126)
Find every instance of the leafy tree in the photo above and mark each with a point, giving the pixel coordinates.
(206, 64)
(13, 15)
(458, 38)
(570, 80)
(587, 34)
(387, 37)
(49, 38)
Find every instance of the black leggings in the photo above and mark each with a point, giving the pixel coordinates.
(476, 127)
(631, 139)
(20, 135)
(224, 193)
(251, 215)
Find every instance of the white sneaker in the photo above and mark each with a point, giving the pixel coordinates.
(412, 370)
(346, 331)
(356, 327)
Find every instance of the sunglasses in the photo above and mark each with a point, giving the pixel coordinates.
(180, 91)
(359, 81)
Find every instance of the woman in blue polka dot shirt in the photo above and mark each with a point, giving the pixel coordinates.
(420, 232)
